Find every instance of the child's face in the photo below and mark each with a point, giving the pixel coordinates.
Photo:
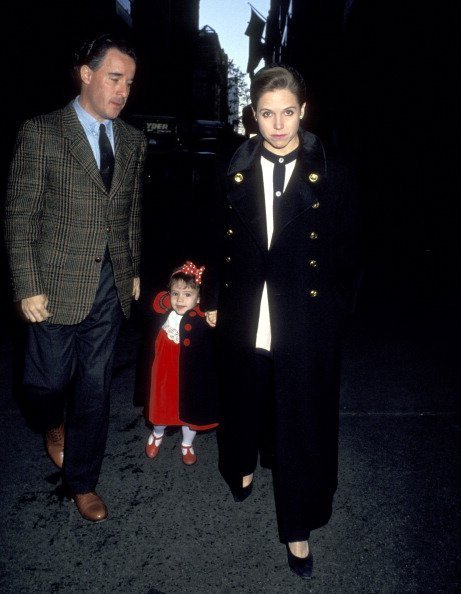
(182, 297)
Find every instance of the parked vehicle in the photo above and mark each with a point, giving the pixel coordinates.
(161, 131)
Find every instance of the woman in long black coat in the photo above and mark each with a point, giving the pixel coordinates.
(286, 282)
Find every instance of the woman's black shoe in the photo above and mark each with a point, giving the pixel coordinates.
(241, 493)
(302, 566)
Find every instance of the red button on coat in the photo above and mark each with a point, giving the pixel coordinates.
(186, 342)
(192, 313)
(187, 327)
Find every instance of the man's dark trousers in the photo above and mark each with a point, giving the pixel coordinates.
(81, 354)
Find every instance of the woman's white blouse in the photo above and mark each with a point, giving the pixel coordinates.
(263, 335)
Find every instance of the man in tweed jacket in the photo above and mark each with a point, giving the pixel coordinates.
(73, 242)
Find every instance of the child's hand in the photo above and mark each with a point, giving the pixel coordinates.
(211, 318)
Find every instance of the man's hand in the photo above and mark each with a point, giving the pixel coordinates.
(34, 309)
(136, 288)
(211, 317)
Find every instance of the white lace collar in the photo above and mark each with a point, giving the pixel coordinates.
(171, 326)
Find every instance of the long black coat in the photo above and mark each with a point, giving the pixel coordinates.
(310, 270)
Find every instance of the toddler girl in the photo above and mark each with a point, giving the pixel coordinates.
(183, 384)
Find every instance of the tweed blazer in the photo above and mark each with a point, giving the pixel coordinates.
(59, 216)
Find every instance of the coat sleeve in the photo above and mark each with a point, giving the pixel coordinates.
(24, 204)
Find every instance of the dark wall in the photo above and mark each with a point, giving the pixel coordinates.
(397, 107)
(383, 86)
(168, 36)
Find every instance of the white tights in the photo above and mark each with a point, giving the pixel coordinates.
(187, 434)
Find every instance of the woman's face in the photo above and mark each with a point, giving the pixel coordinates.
(278, 115)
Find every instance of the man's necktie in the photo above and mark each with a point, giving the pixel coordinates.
(106, 157)
(278, 182)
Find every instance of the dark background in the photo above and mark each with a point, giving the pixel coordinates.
(383, 87)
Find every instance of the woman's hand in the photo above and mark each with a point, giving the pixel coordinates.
(211, 317)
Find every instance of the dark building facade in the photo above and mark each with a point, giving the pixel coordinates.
(166, 31)
(307, 35)
(183, 69)
(210, 81)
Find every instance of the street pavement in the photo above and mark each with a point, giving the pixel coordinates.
(174, 529)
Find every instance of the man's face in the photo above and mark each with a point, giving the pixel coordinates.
(104, 91)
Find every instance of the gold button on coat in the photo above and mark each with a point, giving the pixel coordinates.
(238, 178)
(230, 232)
(228, 258)
(313, 263)
(316, 204)
(313, 293)
(313, 177)
(313, 235)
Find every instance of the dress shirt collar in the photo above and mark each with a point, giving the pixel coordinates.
(279, 159)
(91, 124)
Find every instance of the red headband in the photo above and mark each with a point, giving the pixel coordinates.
(192, 270)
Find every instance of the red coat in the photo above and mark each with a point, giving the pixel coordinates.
(183, 381)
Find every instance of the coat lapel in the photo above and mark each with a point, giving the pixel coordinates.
(81, 150)
(242, 199)
(245, 178)
(79, 146)
(123, 154)
(305, 186)
(302, 192)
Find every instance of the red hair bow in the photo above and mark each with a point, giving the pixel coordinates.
(191, 269)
